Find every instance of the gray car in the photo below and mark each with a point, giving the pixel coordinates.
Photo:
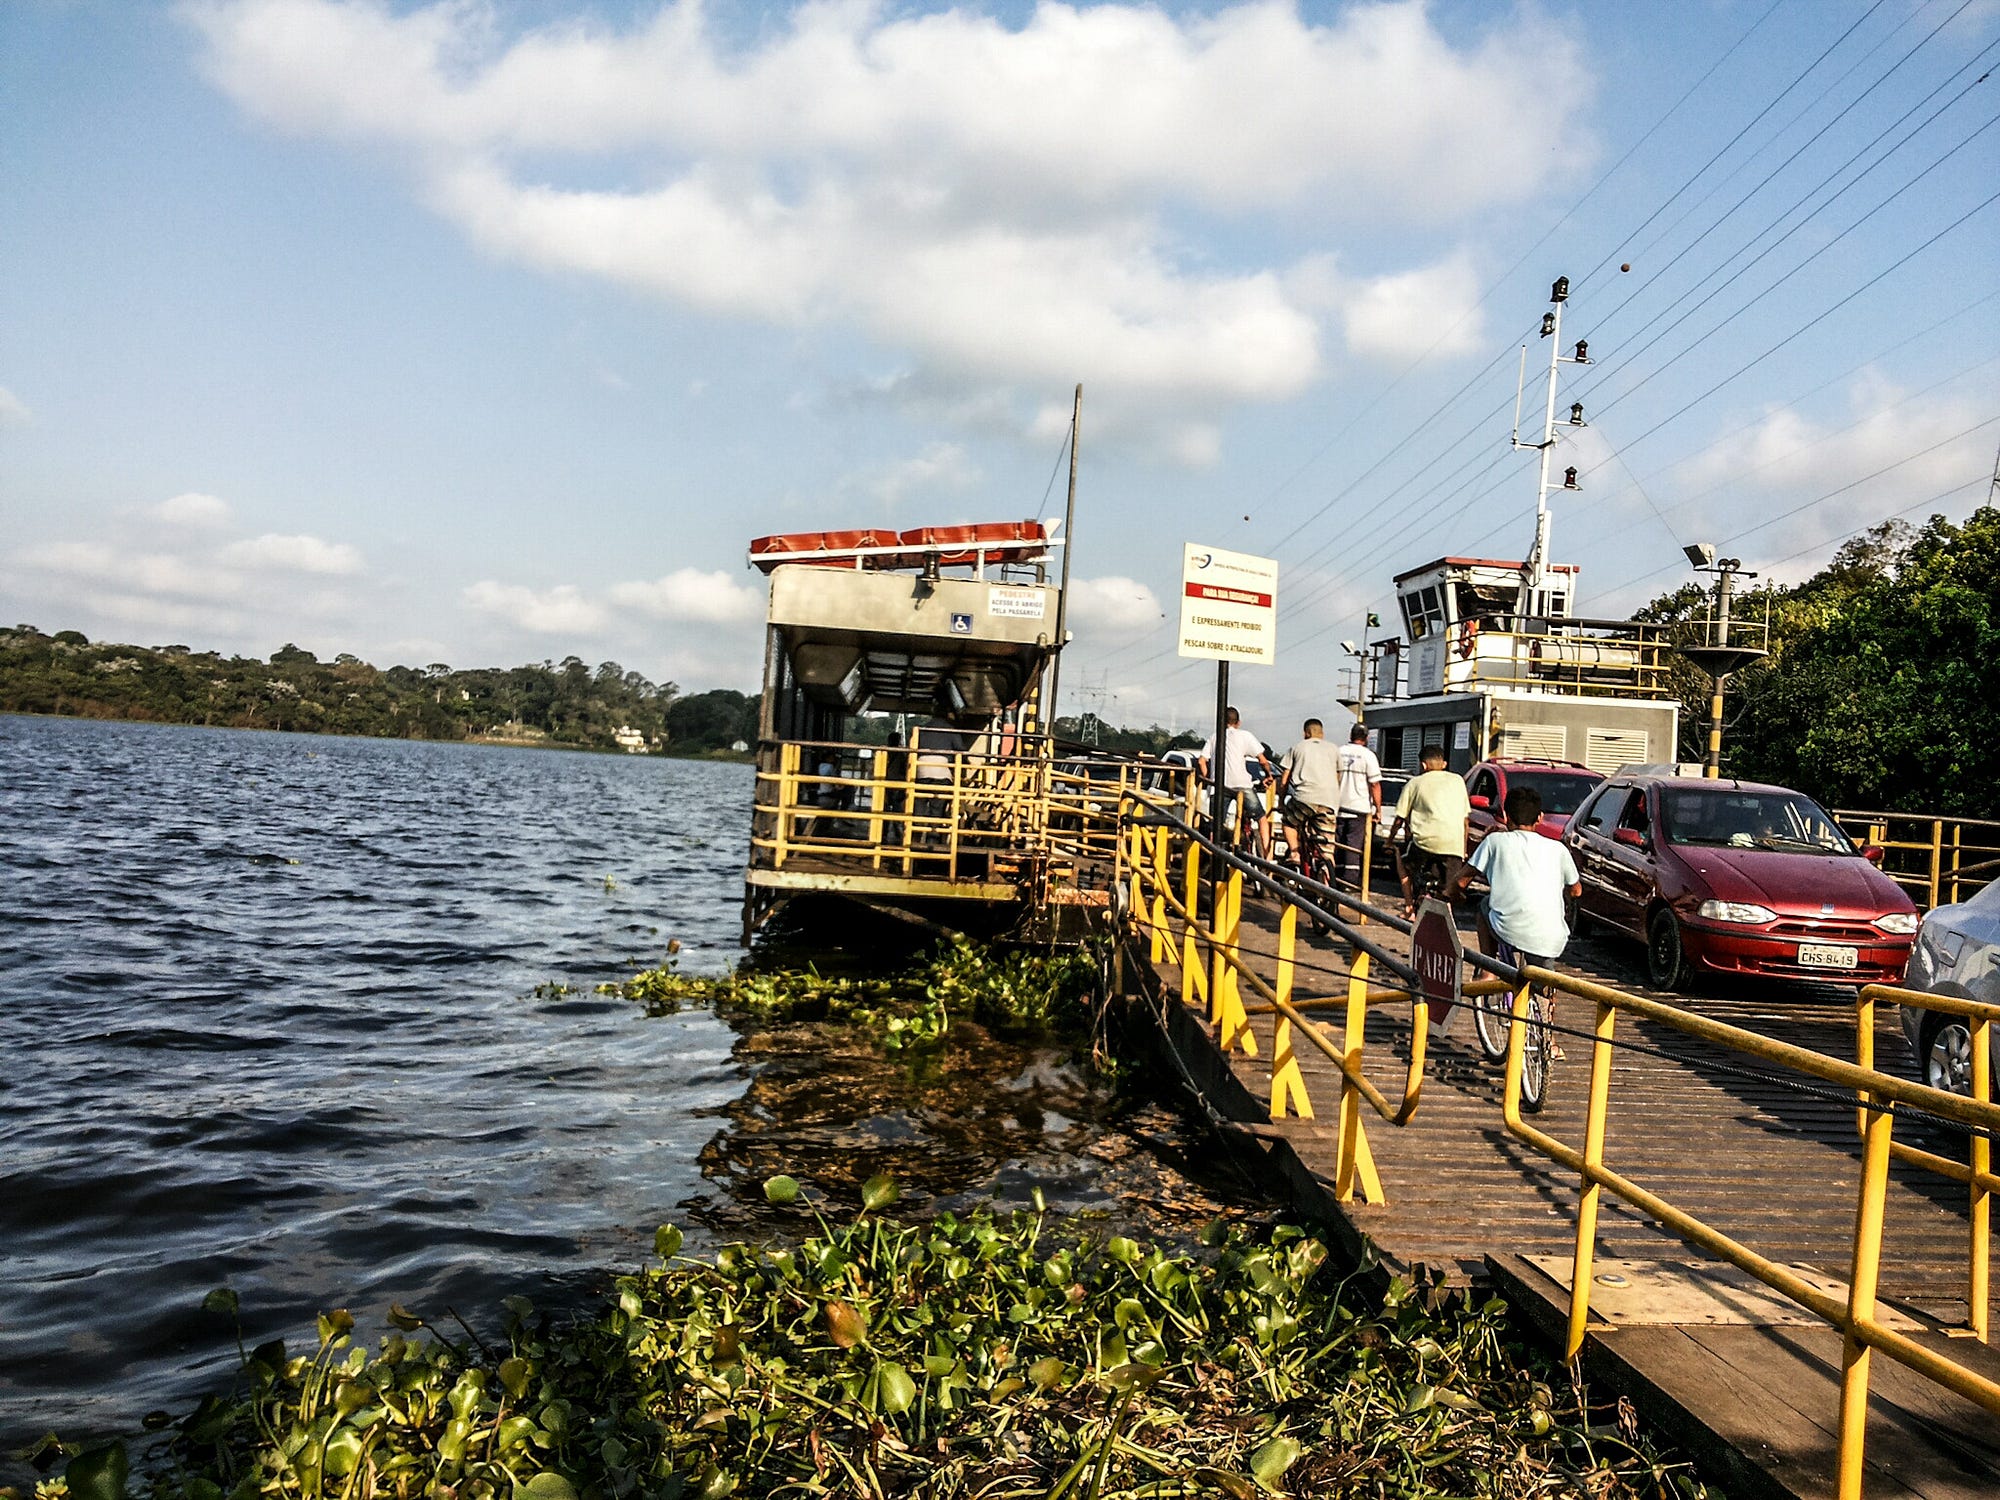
(1957, 953)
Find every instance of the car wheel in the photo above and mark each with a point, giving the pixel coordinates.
(1666, 954)
(1948, 1055)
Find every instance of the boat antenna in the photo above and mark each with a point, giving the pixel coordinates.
(1068, 550)
(1535, 571)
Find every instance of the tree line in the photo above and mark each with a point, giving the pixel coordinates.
(1881, 689)
(567, 703)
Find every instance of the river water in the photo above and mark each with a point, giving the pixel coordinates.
(278, 1013)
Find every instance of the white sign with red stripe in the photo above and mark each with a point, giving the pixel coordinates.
(1229, 606)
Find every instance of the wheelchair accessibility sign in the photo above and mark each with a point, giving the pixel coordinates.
(961, 624)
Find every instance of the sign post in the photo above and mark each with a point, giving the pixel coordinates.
(1435, 953)
(1229, 613)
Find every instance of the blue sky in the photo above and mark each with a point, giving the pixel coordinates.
(489, 332)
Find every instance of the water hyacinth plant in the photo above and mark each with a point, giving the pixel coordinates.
(967, 1356)
(1009, 989)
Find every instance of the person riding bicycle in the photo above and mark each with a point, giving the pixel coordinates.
(1527, 877)
(1309, 789)
(1240, 749)
(1438, 817)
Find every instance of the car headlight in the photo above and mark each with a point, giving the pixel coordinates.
(1737, 911)
(1902, 923)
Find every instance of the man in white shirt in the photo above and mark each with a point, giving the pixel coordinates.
(1357, 799)
(1240, 747)
(1527, 877)
(1438, 815)
(1312, 776)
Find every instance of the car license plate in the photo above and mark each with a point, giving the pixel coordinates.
(1828, 956)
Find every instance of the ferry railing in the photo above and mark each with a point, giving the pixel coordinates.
(937, 816)
(1976, 1172)
(1938, 860)
(1564, 655)
(1164, 859)
(925, 814)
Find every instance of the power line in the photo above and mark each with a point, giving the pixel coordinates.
(1697, 285)
(1501, 280)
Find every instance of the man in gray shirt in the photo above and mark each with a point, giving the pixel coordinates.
(1312, 776)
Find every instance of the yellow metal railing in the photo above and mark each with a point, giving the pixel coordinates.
(1977, 1171)
(1937, 860)
(932, 815)
(1162, 863)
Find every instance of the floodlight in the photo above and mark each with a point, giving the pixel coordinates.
(1350, 648)
(1701, 554)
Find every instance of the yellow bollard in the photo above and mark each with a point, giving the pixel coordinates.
(1981, 1247)
(1288, 1085)
(1593, 1157)
(1230, 1017)
(1355, 1163)
(1194, 980)
(1866, 1266)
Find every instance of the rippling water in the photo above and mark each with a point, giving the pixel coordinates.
(269, 1021)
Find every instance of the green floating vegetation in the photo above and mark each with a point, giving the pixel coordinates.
(1011, 989)
(966, 1356)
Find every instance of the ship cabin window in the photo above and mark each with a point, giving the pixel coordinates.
(1423, 613)
(1493, 606)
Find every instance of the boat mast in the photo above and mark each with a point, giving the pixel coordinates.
(1068, 550)
(1534, 572)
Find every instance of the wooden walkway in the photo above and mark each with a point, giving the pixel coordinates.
(1744, 1150)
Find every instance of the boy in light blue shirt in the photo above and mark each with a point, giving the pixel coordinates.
(1528, 876)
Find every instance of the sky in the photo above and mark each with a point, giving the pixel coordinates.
(491, 331)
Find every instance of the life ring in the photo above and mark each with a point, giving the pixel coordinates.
(1468, 639)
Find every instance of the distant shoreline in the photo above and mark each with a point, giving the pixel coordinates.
(496, 741)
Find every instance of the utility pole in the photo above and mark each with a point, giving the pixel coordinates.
(1719, 657)
(1068, 551)
(1534, 572)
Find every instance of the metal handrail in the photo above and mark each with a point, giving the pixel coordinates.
(1211, 958)
(1954, 857)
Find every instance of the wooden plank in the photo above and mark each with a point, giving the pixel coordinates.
(1742, 1435)
(1920, 1437)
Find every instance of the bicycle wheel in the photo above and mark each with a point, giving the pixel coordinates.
(1536, 1048)
(1491, 1020)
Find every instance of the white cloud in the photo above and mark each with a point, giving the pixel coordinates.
(181, 578)
(193, 510)
(688, 594)
(1403, 315)
(920, 177)
(1787, 457)
(13, 410)
(292, 554)
(940, 468)
(561, 610)
(107, 565)
(1113, 606)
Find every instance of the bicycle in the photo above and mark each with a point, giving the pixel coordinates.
(1492, 1019)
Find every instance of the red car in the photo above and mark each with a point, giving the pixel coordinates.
(1737, 878)
(1563, 785)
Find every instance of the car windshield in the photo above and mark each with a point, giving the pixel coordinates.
(1750, 820)
(1562, 791)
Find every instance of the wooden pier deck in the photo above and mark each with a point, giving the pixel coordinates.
(1743, 1379)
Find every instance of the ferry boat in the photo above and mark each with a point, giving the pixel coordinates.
(1489, 667)
(966, 818)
